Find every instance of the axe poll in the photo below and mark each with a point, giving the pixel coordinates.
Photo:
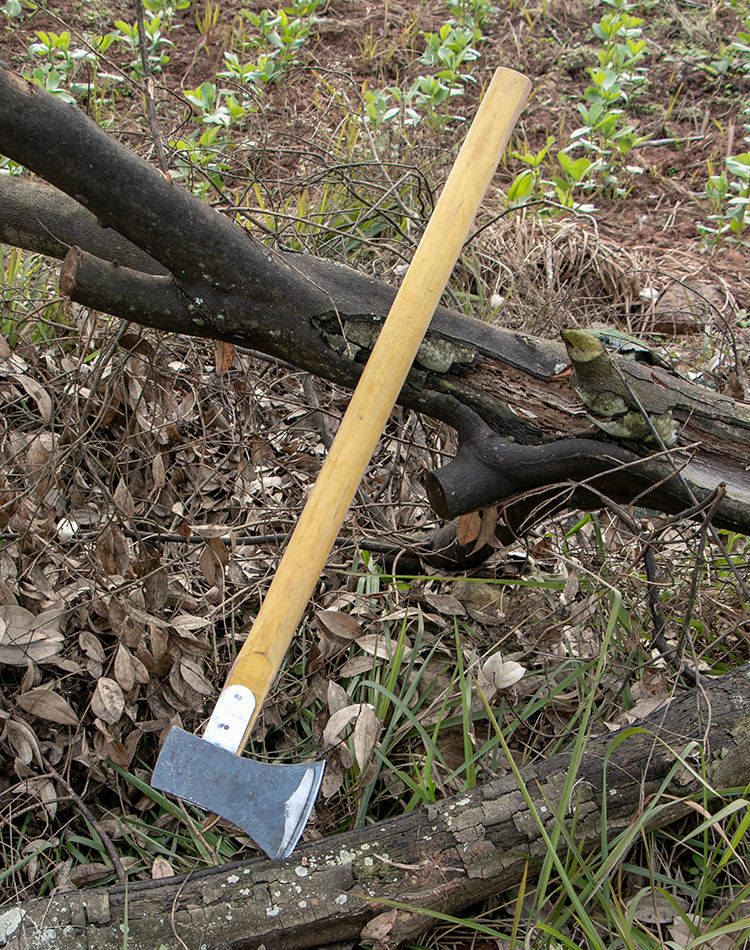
(272, 802)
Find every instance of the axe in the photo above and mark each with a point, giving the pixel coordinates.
(272, 802)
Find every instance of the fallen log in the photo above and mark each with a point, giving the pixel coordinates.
(139, 247)
(443, 857)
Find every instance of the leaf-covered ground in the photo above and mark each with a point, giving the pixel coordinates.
(148, 482)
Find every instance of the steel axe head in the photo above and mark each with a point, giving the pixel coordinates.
(271, 803)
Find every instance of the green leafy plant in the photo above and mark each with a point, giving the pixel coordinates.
(166, 8)
(380, 105)
(278, 38)
(729, 192)
(215, 106)
(285, 35)
(624, 46)
(473, 13)
(447, 52)
(262, 71)
(729, 195)
(605, 138)
(605, 132)
(578, 174)
(51, 79)
(575, 175)
(12, 9)
(528, 183)
(52, 46)
(733, 58)
(27, 305)
(201, 161)
(62, 71)
(156, 43)
(306, 8)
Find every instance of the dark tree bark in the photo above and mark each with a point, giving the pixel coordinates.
(444, 858)
(139, 247)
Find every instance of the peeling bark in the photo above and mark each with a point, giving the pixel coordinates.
(169, 261)
(444, 857)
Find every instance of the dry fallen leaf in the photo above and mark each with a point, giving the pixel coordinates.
(161, 868)
(38, 467)
(570, 590)
(502, 673)
(481, 595)
(223, 357)
(213, 560)
(337, 697)
(380, 646)
(333, 777)
(112, 549)
(683, 936)
(31, 851)
(159, 471)
(376, 932)
(83, 874)
(486, 535)
(121, 753)
(124, 672)
(337, 624)
(39, 394)
(140, 673)
(91, 646)
(124, 500)
(46, 792)
(108, 702)
(194, 677)
(155, 577)
(357, 665)
(446, 604)
(136, 344)
(25, 636)
(366, 734)
(339, 721)
(23, 741)
(653, 908)
(44, 702)
(184, 623)
(72, 261)
(468, 528)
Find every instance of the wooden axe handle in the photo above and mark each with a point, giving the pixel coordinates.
(263, 652)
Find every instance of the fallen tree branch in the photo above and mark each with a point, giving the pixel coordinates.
(444, 857)
(149, 251)
(579, 472)
(40, 218)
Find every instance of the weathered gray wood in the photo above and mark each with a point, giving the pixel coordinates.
(444, 857)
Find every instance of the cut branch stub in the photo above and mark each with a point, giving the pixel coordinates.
(155, 254)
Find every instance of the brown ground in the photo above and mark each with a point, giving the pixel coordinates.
(360, 43)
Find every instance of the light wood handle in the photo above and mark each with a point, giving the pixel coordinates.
(392, 356)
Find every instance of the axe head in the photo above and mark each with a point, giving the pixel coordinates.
(271, 803)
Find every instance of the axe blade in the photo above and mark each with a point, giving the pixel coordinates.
(271, 803)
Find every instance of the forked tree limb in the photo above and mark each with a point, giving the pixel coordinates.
(138, 247)
(40, 218)
(144, 249)
(444, 857)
